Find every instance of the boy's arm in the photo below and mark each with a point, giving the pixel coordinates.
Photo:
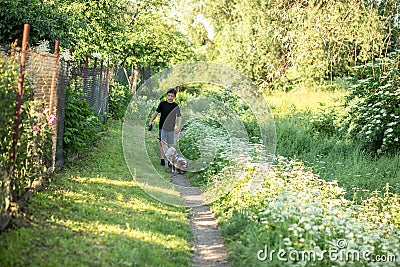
(178, 128)
(153, 117)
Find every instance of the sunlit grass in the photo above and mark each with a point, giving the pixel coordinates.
(95, 214)
(302, 100)
(331, 156)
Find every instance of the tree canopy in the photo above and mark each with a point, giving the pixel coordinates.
(274, 43)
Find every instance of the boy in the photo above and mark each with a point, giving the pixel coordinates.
(169, 111)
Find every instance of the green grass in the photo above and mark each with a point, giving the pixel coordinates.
(302, 100)
(329, 155)
(95, 214)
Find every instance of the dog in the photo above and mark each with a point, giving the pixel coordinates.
(177, 163)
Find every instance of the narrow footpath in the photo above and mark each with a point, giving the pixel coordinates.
(207, 240)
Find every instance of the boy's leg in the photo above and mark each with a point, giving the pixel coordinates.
(169, 139)
(162, 159)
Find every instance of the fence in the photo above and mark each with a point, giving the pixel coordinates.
(133, 77)
(94, 83)
(49, 75)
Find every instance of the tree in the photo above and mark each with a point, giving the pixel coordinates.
(47, 23)
(295, 41)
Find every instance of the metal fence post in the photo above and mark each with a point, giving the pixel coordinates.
(53, 100)
(100, 95)
(18, 103)
(54, 76)
(107, 85)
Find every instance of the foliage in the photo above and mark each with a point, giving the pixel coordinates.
(209, 140)
(8, 84)
(239, 107)
(281, 215)
(284, 43)
(276, 44)
(373, 106)
(34, 148)
(8, 78)
(205, 143)
(47, 22)
(124, 31)
(82, 125)
(133, 33)
(286, 205)
(100, 25)
(159, 43)
(331, 156)
(118, 100)
(325, 121)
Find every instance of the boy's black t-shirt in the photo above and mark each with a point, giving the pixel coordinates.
(169, 112)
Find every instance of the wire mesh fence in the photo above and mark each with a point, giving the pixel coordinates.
(50, 79)
(94, 84)
(48, 76)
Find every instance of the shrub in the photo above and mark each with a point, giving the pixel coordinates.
(373, 106)
(291, 209)
(82, 124)
(205, 143)
(8, 84)
(237, 105)
(324, 122)
(35, 143)
(34, 148)
(118, 100)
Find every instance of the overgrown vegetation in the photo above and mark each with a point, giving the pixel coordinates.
(324, 190)
(283, 44)
(82, 125)
(118, 100)
(310, 128)
(33, 152)
(373, 106)
(294, 211)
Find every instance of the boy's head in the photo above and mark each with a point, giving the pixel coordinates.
(171, 95)
(171, 91)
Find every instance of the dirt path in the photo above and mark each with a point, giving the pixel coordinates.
(207, 240)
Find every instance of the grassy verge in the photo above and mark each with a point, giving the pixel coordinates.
(94, 214)
(284, 214)
(329, 155)
(293, 211)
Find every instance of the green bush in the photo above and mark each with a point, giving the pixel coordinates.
(237, 105)
(373, 106)
(8, 89)
(34, 148)
(118, 100)
(206, 144)
(324, 122)
(291, 209)
(82, 125)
